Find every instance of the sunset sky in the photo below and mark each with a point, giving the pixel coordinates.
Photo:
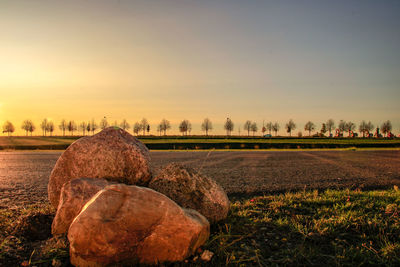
(257, 60)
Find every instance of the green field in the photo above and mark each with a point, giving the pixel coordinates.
(215, 142)
(333, 227)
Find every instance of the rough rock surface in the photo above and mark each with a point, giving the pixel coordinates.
(189, 189)
(74, 195)
(129, 224)
(112, 154)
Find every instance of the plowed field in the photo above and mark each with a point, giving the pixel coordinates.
(24, 175)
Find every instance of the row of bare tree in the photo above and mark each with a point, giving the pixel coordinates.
(185, 127)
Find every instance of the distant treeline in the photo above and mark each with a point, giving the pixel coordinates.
(366, 129)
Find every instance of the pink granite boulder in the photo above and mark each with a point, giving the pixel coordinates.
(190, 189)
(125, 225)
(74, 195)
(112, 154)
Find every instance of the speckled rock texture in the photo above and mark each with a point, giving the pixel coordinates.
(126, 225)
(74, 195)
(112, 154)
(190, 189)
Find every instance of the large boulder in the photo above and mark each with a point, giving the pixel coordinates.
(74, 195)
(125, 224)
(112, 154)
(190, 189)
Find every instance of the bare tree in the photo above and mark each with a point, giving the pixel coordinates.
(349, 127)
(263, 130)
(93, 126)
(206, 125)
(125, 125)
(8, 128)
(254, 128)
(386, 127)
(189, 127)
(342, 127)
(26, 125)
(323, 129)
(275, 127)
(164, 126)
(229, 126)
(63, 126)
(310, 126)
(136, 128)
(50, 127)
(144, 123)
(159, 129)
(88, 127)
(247, 127)
(184, 127)
(32, 128)
(370, 127)
(290, 126)
(71, 127)
(103, 123)
(269, 127)
(43, 125)
(83, 127)
(363, 128)
(330, 125)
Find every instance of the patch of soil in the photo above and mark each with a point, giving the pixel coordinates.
(35, 226)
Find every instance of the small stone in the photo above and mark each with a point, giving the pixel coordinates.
(207, 255)
(56, 263)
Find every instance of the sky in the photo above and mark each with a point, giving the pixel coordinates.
(246, 60)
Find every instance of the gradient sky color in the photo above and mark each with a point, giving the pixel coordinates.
(257, 60)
